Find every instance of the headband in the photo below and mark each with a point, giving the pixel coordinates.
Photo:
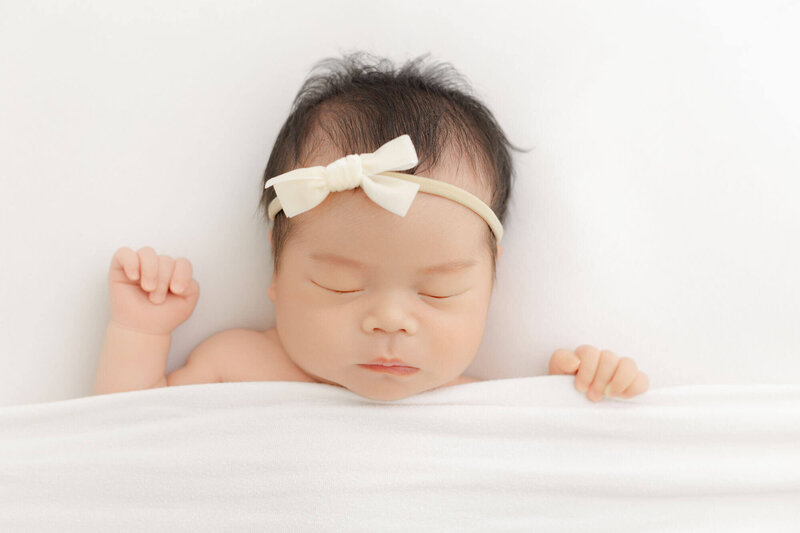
(302, 189)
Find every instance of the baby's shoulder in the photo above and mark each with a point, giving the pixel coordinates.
(257, 356)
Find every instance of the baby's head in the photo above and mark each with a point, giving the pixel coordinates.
(354, 282)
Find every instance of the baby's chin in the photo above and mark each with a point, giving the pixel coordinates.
(382, 392)
(389, 393)
(384, 388)
(385, 396)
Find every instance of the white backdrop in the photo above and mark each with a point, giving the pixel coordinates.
(656, 216)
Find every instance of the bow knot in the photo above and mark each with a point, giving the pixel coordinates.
(345, 173)
(302, 189)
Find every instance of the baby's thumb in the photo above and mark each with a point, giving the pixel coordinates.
(564, 362)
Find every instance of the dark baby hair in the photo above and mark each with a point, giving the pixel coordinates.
(360, 102)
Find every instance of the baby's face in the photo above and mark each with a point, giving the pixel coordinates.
(354, 286)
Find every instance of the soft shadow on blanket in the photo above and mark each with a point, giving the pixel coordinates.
(503, 455)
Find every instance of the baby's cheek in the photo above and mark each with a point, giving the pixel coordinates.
(300, 324)
(456, 340)
(312, 326)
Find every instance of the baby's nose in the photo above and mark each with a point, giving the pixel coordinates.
(389, 326)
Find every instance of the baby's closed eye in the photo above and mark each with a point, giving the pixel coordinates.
(439, 295)
(340, 291)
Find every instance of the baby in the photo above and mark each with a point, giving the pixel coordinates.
(381, 279)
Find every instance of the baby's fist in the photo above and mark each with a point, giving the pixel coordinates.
(151, 293)
(600, 373)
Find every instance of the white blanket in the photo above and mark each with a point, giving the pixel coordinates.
(527, 454)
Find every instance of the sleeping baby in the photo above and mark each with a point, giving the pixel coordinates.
(386, 189)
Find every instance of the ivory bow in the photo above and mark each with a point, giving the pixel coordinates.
(304, 188)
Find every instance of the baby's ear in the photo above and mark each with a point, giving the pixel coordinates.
(499, 248)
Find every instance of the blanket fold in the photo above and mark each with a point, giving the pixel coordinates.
(524, 454)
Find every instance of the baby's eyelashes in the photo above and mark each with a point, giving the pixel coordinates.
(334, 290)
(360, 290)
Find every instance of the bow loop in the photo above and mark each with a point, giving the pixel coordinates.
(397, 154)
(304, 188)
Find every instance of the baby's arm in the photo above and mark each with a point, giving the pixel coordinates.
(150, 296)
(130, 360)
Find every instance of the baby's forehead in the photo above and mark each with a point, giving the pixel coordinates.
(434, 227)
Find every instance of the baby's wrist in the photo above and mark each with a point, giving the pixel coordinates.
(133, 330)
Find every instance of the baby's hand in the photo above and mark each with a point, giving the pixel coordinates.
(149, 293)
(600, 372)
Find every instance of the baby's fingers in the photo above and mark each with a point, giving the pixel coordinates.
(606, 367)
(148, 265)
(590, 358)
(181, 276)
(166, 265)
(126, 263)
(623, 378)
(564, 362)
(640, 384)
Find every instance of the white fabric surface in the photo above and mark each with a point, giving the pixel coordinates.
(524, 454)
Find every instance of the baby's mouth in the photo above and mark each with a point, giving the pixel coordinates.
(398, 370)
(383, 361)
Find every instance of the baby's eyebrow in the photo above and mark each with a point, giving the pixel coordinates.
(443, 268)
